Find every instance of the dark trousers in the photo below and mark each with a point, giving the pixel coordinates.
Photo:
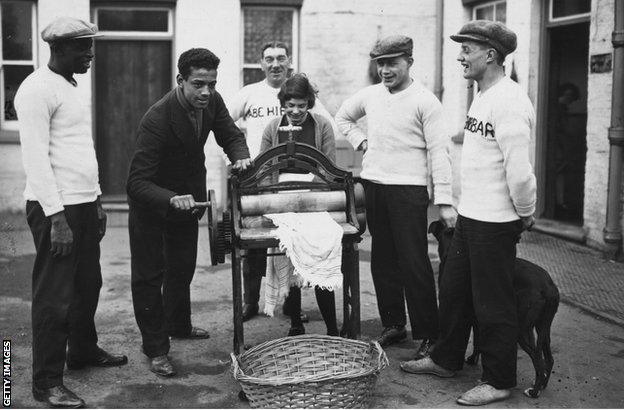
(326, 303)
(478, 281)
(65, 292)
(254, 268)
(400, 265)
(164, 254)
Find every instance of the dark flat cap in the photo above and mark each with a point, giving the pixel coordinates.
(68, 28)
(491, 32)
(392, 46)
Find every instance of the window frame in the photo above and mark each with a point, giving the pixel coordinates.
(573, 18)
(294, 51)
(484, 5)
(136, 35)
(9, 130)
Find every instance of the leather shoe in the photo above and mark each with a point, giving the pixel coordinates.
(195, 333)
(162, 366)
(425, 349)
(296, 330)
(426, 366)
(392, 334)
(101, 358)
(58, 396)
(249, 310)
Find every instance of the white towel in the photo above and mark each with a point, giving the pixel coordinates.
(312, 242)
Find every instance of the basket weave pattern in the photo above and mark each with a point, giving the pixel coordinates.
(309, 371)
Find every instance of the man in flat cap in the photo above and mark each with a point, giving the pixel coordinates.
(497, 203)
(167, 175)
(405, 126)
(63, 211)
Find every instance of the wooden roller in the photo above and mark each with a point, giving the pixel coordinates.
(330, 201)
(258, 221)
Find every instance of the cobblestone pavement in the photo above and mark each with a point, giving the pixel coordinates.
(585, 279)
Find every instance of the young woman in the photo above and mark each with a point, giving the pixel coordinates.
(297, 97)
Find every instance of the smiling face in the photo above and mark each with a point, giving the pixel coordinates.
(394, 72)
(275, 63)
(296, 110)
(77, 54)
(198, 86)
(474, 58)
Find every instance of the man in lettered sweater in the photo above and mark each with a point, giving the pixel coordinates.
(63, 211)
(257, 105)
(405, 125)
(497, 203)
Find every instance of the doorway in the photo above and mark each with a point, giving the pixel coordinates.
(133, 70)
(566, 144)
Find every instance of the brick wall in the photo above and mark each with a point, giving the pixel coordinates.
(598, 120)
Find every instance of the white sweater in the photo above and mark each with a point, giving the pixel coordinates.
(403, 128)
(257, 104)
(57, 146)
(497, 180)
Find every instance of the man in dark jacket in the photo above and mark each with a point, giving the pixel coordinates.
(167, 176)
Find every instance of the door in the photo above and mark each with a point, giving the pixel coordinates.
(566, 144)
(133, 70)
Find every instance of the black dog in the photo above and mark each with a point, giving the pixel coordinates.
(538, 300)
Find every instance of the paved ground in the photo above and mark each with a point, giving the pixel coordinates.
(589, 350)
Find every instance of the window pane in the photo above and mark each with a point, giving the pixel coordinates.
(133, 20)
(501, 12)
(264, 25)
(485, 13)
(13, 77)
(16, 30)
(564, 8)
(252, 75)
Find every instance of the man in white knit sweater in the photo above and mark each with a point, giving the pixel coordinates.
(255, 106)
(497, 203)
(63, 212)
(405, 126)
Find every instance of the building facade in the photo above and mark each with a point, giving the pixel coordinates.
(559, 43)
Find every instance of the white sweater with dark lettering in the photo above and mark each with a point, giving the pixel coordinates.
(497, 180)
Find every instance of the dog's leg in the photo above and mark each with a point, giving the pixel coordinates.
(543, 333)
(527, 343)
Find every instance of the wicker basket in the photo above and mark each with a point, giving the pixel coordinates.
(309, 371)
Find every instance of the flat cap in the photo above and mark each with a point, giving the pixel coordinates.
(493, 33)
(68, 28)
(392, 46)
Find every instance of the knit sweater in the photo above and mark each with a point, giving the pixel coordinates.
(56, 141)
(403, 128)
(497, 180)
(257, 104)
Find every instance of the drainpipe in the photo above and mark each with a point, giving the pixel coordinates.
(612, 233)
(439, 42)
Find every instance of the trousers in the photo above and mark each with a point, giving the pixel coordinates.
(65, 292)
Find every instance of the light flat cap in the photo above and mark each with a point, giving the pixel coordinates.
(392, 46)
(68, 28)
(493, 33)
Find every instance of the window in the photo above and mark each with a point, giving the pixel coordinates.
(561, 10)
(18, 54)
(264, 24)
(135, 22)
(493, 10)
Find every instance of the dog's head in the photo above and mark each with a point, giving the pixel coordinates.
(444, 235)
